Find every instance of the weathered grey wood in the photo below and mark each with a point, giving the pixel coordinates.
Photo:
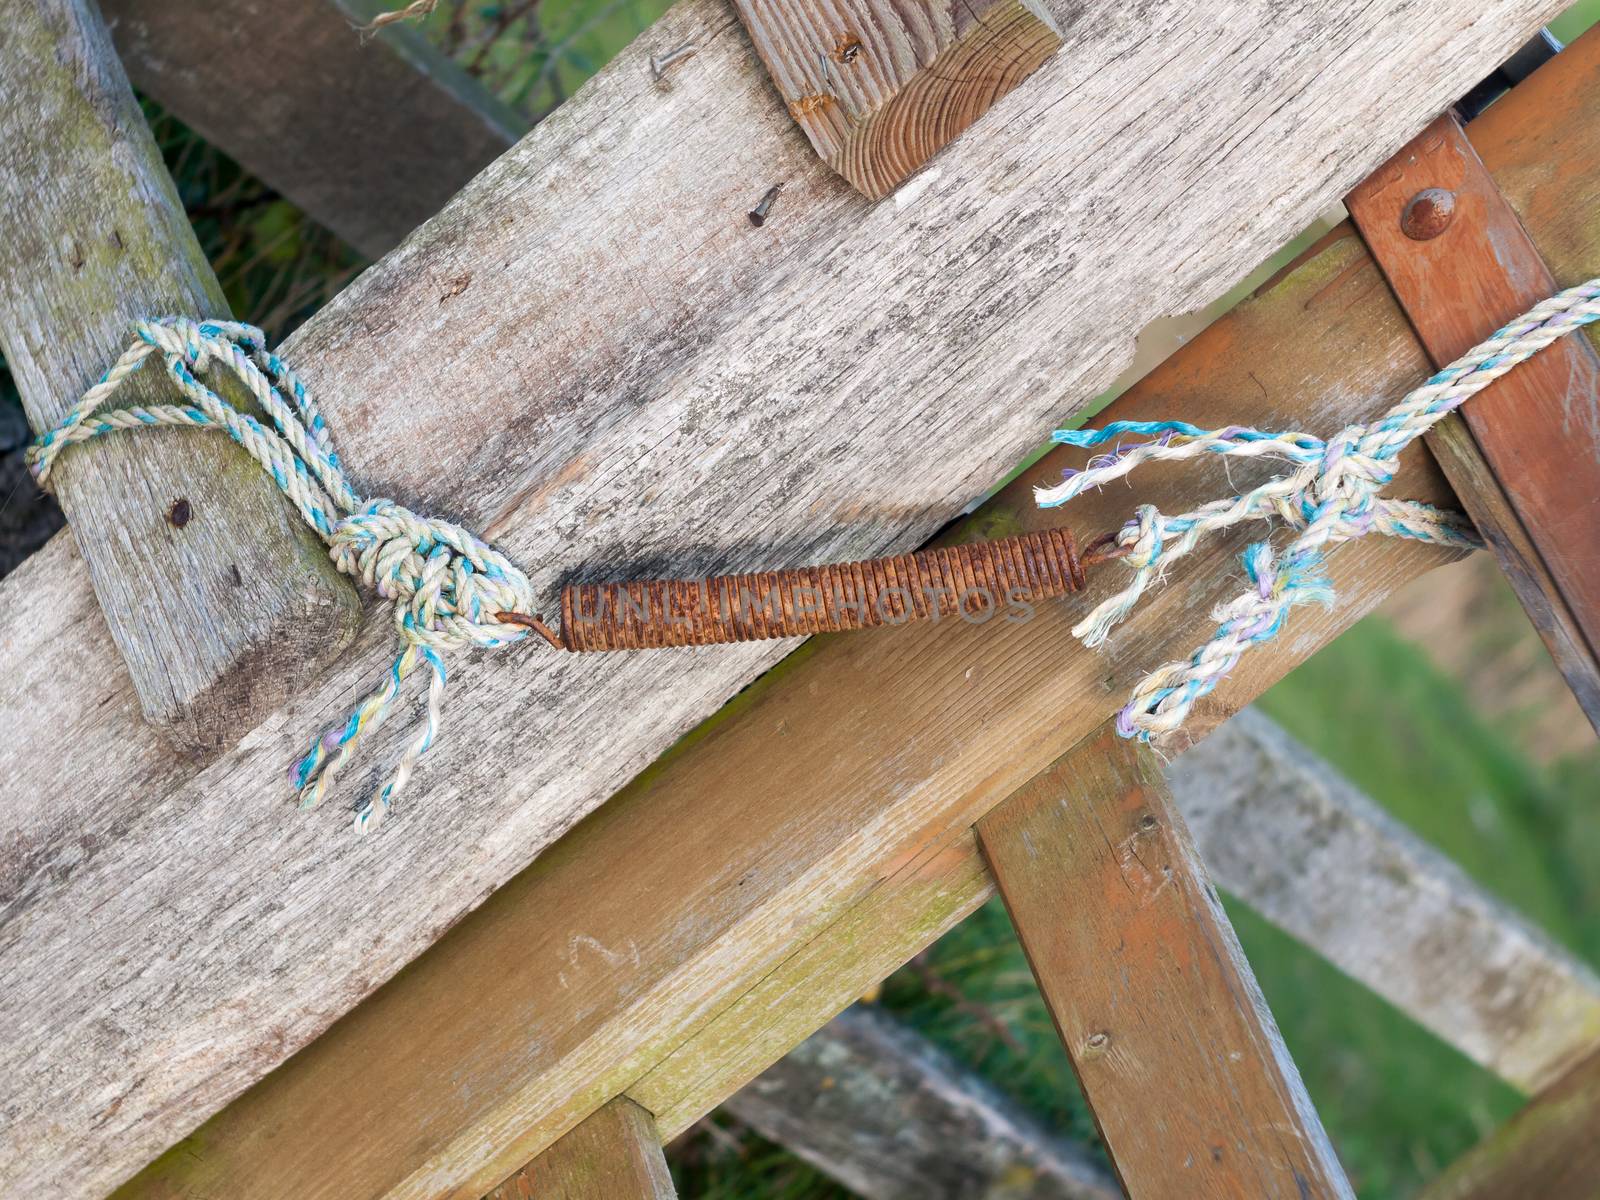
(1192, 1088)
(370, 135)
(215, 620)
(614, 1154)
(879, 87)
(702, 393)
(1282, 830)
(882, 1110)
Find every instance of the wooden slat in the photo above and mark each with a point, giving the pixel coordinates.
(1282, 830)
(613, 1155)
(1536, 433)
(1192, 1088)
(369, 134)
(1549, 1150)
(880, 87)
(696, 397)
(879, 1108)
(737, 920)
(217, 619)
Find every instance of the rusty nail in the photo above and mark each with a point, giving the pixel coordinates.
(179, 513)
(1427, 214)
(758, 214)
(660, 63)
(535, 623)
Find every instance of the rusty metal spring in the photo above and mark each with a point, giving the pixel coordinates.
(977, 577)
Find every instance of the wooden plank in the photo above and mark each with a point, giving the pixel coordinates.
(1463, 265)
(880, 87)
(369, 134)
(1548, 1150)
(612, 1155)
(216, 619)
(699, 403)
(1191, 1086)
(879, 1108)
(743, 918)
(1282, 830)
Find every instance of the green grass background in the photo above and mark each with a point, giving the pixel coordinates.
(1397, 1102)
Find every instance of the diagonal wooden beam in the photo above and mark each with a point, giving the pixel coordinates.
(613, 1155)
(218, 604)
(702, 401)
(368, 134)
(1548, 1149)
(1281, 829)
(1191, 1086)
(879, 1108)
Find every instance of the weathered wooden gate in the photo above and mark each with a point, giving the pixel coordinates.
(633, 371)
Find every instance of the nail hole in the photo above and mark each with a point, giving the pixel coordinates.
(179, 513)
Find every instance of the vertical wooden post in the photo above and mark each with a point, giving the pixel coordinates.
(1524, 456)
(1191, 1087)
(217, 612)
(613, 1155)
(880, 87)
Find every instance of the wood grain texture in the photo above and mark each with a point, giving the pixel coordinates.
(880, 1109)
(216, 620)
(370, 135)
(879, 87)
(703, 395)
(1537, 431)
(614, 1154)
(1548, 1150)
(737, 920)
(1191, 1086)
(1281, 829)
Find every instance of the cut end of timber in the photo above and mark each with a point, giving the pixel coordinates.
(879, 90)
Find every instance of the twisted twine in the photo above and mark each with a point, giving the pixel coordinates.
(443, 583)
(1330, 497)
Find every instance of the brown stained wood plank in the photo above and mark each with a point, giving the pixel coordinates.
(1537, 431)
(215, 620)
(1191, 1086)
(614, 1154)
(880, 87)
(736, 921)
(633, 374)
(369, 134)
(1549, 1151)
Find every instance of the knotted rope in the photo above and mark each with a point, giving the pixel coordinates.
(1331, 497)
(444, 584)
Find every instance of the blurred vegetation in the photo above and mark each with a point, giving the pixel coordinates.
(1398, 1103)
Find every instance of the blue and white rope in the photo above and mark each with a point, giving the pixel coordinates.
(1331, 496)
(445, 585)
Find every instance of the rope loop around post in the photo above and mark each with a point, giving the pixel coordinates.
(1331, 496)
(444, 584)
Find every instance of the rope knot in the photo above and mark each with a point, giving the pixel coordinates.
(446, 583)
(1331, 494)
